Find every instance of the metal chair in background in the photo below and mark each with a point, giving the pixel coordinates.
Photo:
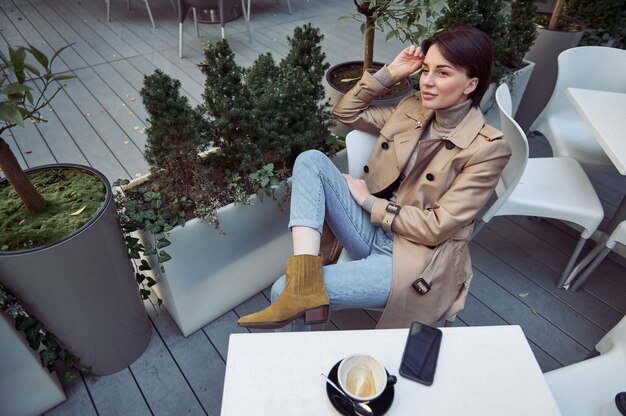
(551, 187)
(183, 11)
(108, 2)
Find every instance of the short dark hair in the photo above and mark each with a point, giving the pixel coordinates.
(468, 48)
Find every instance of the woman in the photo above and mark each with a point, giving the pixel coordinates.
(409, 218)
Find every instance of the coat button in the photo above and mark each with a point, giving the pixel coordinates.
(385, 145)
(430, 176)
(366, 168)
(449, 145)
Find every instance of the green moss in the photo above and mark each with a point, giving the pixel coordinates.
(66, 191)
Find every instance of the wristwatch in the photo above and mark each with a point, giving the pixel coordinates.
(392, 210)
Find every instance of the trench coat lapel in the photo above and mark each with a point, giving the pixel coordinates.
(406, 140)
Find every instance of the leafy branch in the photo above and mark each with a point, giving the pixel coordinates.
(16, 98)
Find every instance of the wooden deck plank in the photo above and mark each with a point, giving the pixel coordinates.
(114, 94)
(197, 359)
(162, 382)
(116, 394)
(109, 132)
(52, 37)
(84, 49)
(508, 260)
(78, 400)
(537, 328)
(95, 151)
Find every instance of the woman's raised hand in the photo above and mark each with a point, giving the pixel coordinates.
(409, 60)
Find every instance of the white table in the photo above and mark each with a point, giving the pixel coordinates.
(605, 113)
(481, 371)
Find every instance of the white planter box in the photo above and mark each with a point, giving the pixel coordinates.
(488, 104)
(26, 388)
(211, 272)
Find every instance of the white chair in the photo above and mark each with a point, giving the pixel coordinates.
(583, 388)
(595, 257)
(588, 67)
(552, 187)
(359, 145)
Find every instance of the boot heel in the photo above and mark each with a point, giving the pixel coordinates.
(316, 315)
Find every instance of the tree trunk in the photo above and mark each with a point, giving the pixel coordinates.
(368, 57)
(556, 14)
(31, 198)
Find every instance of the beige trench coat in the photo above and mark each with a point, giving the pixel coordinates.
(449, 184)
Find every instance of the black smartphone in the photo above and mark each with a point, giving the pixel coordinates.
(421, 351)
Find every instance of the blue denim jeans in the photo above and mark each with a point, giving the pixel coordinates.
(319, 192)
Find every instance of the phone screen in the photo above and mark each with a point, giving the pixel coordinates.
(421, 351)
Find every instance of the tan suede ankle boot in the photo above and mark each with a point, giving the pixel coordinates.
(304, 295)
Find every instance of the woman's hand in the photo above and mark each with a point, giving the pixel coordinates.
(407, 62)
(358, 189)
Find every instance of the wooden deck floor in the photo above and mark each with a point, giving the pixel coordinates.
(99, 120)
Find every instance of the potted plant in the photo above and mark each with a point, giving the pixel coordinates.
(605, 21)
(512, 30)
(61, 248)
(221, 236)
(556, 33)
(406, 20)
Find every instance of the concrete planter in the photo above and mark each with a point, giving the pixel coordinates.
(26, 388)
(82, 288)
(544, 53)
(212, 271)
(518, 86)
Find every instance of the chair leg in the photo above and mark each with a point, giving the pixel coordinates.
(150, 14)
(108, 2)
(289, 6)
(581, 279)
(128, 4)
(584, 262)
(221, 6)
(180, 40)
(571, 262)
(246, 17)
(195, 21)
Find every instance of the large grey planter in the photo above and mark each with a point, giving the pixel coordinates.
(544, 53)
(83, 290)
(517, 87)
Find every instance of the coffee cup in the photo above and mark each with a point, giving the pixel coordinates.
(363, 378)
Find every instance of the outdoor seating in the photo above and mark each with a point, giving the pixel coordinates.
(108, 2)
(553, 187)
(596, 256)
(567, 133)
(183, 11)
(586, 387)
